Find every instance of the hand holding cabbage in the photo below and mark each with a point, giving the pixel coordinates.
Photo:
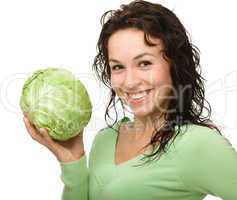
(65, 151)
(53, 99)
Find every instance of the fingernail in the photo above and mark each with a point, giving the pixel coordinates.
(42, 130)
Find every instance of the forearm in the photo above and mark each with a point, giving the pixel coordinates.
(75, 176)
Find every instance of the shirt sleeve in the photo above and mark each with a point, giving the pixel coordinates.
(75, 175)
(208, 163)
(75, 178)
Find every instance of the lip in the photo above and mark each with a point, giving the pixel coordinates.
(136, 102)
(129, 93)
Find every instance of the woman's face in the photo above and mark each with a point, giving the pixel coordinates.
(139, 74)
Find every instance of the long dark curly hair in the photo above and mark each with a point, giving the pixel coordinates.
(159, 22)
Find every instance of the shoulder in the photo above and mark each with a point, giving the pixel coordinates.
(206, 160)
(109, 131)
(196, 134)
(197, 138)
(101, 144)
(105, 134)
(200, 141)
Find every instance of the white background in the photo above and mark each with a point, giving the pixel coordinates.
(50, 33)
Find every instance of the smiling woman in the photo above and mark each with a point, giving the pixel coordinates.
(149, 64)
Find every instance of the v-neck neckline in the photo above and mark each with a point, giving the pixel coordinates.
(126, 162)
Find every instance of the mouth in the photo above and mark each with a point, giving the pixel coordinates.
(139, 97)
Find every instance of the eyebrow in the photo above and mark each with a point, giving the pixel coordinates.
(135, 58)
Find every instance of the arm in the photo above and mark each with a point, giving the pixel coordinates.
(75, 178)
(208, 164)
(72, 158)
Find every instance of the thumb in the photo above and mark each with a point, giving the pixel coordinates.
(48, 141)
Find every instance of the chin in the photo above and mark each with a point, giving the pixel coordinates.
(142, 111)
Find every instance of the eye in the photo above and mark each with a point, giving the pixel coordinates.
(116, 67)
(144, 63)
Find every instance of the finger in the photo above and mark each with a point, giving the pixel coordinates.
(32, 131)
(72, 142)
(51, 144)
(41, 136)
(44, 132)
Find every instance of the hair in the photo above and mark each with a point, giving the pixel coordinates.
(157, 21)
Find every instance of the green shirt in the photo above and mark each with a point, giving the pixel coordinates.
(198, 162)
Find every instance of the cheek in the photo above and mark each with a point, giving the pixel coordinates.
(162, 83)
(116, 82)
(160, 78)
(162, 92)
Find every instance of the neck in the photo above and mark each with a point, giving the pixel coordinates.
(144, 127)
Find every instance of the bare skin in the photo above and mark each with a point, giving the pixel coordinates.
(131, 140)
(65, 151)
(127, 147)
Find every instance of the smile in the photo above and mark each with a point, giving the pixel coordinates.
(137, 98)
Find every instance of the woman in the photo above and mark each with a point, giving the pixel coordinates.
(147, 60)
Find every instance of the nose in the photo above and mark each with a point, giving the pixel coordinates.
(131, 80)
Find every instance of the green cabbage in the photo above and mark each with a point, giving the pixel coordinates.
(54, 99)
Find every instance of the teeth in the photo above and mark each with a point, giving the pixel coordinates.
(138, 95)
